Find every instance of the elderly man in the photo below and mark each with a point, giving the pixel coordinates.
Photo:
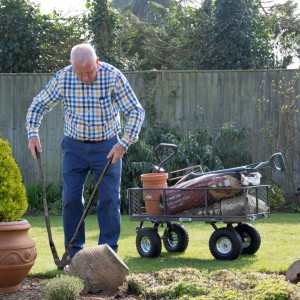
(92, 94)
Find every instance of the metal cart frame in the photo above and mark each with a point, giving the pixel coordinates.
(226, 243)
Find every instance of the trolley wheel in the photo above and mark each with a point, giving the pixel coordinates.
(225, 244)
(175, 238)
(148, 242)
(250, 238)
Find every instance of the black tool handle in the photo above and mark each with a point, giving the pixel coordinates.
(46, 211)
(65, 258)
(162, 146)
(38, 154)
(276, 162)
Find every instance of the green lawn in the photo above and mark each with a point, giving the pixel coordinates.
(280, 246)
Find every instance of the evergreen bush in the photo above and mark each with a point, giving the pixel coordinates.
(276, 197)
(13, 199)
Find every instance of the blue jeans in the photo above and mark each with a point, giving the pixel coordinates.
(78, 159)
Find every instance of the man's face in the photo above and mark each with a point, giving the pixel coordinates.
(87, 73)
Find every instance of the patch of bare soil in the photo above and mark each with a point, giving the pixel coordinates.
(31, 290)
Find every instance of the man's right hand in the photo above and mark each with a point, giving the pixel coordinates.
(34, 143)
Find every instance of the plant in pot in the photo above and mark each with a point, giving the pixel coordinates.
(17, 249)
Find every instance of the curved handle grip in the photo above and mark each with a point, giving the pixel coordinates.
(162, 146)
(276, 162)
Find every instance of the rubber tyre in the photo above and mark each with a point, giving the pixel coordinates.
(225, 244)
(175, 238)
(148, 242)
(250, 238)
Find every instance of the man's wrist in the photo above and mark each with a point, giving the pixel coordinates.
(32, 133)
(123, 144)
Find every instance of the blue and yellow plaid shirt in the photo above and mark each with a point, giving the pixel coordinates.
(91, 111)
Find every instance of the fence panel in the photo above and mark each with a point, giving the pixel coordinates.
(187, 100)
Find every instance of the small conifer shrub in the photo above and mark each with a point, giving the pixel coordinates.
(13, 199)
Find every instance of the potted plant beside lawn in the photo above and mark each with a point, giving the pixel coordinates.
(17, 248)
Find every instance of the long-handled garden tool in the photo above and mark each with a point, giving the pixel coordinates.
(66, 256)
(276, 162)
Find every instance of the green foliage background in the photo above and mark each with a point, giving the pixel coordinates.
(211, 149)
(145, 35)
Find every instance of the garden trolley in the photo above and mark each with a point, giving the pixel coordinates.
(231, 205)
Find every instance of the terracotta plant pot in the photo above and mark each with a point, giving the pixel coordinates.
(152, 197)
(99, 267)
(17, 255)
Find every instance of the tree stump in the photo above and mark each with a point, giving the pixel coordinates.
(99, 267)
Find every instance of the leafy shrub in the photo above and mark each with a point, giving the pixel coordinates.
(295, 208)
(55, 208)
(276, 197)
(53, 196)
(229, 144)
(34, 195)
(13, 202)
(62, 287)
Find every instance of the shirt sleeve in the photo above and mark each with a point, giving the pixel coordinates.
(132, 110)
(41, 104)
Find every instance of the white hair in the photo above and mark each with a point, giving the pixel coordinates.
(82, 54)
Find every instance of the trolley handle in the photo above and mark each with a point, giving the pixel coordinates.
(159, 149)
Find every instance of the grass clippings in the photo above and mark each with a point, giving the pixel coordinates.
(188, 283)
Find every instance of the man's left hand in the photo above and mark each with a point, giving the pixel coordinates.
(117, 152)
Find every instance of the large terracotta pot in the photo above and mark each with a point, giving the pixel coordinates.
(17, 255)
(151, 194)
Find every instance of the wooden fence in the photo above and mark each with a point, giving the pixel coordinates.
(187, 100)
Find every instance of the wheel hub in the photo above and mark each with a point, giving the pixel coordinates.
(173, 239)
(224, 245)
(246, 240)
(145, 244)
